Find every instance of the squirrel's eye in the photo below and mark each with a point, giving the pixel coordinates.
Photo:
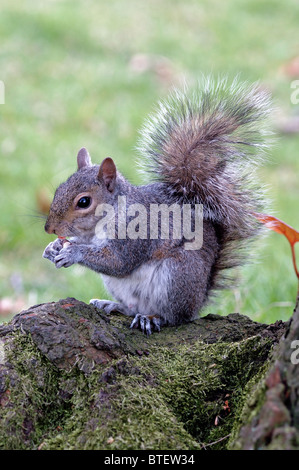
(84, 202)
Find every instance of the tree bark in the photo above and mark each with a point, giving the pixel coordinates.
(271, 419)
(73, 378)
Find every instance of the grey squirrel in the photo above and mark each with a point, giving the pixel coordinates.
(201, 149)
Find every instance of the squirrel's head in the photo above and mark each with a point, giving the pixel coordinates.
(72, 212)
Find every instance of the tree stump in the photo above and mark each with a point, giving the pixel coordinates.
(72, 377)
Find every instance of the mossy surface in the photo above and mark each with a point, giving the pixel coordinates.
(147, 396)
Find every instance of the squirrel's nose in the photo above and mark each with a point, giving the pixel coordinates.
(49, 228)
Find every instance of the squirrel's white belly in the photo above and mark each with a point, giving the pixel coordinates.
(144, 289)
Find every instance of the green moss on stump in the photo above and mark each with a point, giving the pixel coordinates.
(128, 391)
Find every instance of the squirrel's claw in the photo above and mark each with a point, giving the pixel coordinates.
(144, 322)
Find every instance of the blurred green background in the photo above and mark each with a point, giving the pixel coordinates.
(87, 73)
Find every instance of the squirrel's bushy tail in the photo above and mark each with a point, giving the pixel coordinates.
(204, 146)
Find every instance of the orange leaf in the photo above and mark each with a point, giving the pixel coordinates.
(284, 229)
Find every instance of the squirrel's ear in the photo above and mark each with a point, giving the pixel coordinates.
(83, 158)
(107, 173)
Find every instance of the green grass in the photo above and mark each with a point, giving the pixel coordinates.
(69, 82)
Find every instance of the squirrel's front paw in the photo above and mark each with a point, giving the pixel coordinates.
(69, 255)
(53, 249)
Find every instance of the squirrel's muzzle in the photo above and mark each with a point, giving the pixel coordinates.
(49, 228)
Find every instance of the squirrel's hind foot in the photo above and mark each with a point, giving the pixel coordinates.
(144, 322)
(109, 306)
